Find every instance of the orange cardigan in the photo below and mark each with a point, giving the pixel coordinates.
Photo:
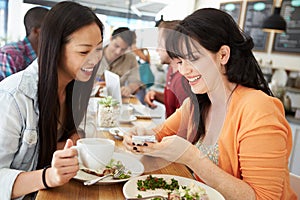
(254, 144)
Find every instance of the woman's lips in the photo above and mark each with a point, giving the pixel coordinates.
(87, 69)
(194, 80)
(191, 80)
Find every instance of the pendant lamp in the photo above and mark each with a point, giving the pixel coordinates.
(275, 22)
(159, 21)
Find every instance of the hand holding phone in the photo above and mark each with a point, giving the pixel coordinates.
(141, 139)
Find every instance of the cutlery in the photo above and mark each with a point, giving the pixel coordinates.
(115, 175)
(148, 197)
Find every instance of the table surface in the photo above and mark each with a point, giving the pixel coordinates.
(76, 190)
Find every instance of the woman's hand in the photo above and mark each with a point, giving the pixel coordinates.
(172, 148)
(127, 141)
(64, 166)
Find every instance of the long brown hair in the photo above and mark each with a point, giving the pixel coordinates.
(61, 21)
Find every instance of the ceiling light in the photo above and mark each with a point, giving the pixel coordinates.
(275, 22)
(159, 21)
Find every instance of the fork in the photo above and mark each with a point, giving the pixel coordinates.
(148, 197)
(116, 175)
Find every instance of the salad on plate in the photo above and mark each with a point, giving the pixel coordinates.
(171, 187)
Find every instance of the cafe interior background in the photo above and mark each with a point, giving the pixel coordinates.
(277, 53)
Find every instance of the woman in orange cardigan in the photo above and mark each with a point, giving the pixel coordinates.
(241, 138)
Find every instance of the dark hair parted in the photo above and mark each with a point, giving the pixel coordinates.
(62, 20)
(127, 35)
(212, 28)
(34, 18)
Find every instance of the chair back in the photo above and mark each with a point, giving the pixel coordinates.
(295, 184)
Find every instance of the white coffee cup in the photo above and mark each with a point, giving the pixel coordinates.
(95, 153)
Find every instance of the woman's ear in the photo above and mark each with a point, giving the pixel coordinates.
(224, 54)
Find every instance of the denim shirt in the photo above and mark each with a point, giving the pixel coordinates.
(18, 127)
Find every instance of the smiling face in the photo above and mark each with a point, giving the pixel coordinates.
(80, 55)
(202, 70)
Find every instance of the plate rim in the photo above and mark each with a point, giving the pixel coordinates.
(170, 176)
(112, 181)
(116, 128)
(132, 118)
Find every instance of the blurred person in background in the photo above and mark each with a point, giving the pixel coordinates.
(117, 60)
(17, 56)
(177, 87)
(42, 106)
(146, 75)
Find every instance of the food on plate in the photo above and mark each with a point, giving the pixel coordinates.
(141, 139)
(110, 168)
(174, 190)
(152, 183)
(191, 192)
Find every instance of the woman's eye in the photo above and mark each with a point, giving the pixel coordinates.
(193, 59)
(99, 49)
(179, 62)
(84, 52)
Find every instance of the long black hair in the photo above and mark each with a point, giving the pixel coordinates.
(212, 28)
(61, 21)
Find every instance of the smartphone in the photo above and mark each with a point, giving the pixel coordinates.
(141, 139)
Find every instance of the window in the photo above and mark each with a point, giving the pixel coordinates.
(3, 21)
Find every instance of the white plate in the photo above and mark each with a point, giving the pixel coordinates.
(130, 187)
(116, 131)
(131, 163)
(121, 130)
(130, 119)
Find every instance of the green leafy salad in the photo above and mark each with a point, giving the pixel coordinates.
(174, 190)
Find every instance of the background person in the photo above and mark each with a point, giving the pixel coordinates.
(117, 60)
(143, 58)
(242, 140)
(17, 56)
(176, 88)
(146, 75)
(43, 105)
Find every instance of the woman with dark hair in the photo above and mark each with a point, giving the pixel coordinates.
(231, 132)
(43, 105)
